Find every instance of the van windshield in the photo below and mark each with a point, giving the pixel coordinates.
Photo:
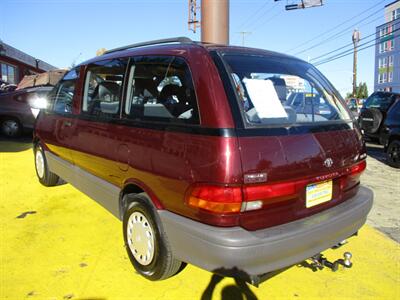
(283, 91)
(380, 100)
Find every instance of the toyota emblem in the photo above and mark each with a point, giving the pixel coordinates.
(328, 162)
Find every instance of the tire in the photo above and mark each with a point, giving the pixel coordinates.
(43, 173)
(11, 127)
(154, 262)
(370, 120)
(393, 154)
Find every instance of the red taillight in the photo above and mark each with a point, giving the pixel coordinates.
(270, 192)
(217, 199)
(352, 175)
(234, 199)
(358, 168)
(227, 199)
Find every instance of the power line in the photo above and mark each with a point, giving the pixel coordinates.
(341, 48)
(264, 15)
(254, 14)
(268, 20)
(336, 35)
(343, 54)
(334, 28)
(349, 52)
(349, 44)
(360, 26)
(328, 61)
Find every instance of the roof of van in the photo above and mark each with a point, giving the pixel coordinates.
(185, 46)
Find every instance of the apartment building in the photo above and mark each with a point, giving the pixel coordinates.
(387, 50)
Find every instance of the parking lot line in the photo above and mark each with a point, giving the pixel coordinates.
(56, 243)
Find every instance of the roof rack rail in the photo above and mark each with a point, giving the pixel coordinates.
(181, 40)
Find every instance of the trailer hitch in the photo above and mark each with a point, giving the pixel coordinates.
(319, 262)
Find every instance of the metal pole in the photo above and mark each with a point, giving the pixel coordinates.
(215, 21)
(356, 39)
(244, 33)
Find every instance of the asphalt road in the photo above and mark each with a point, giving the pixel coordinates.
(385, 182)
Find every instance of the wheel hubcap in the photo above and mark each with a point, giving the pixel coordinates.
(39, 163)
(10, 127)
(140, 238)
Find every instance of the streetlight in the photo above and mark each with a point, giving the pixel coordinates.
(303, 4)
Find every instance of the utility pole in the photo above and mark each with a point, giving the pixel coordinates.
(193, 22)
(356, 39)
(244, 33)
(215, 21)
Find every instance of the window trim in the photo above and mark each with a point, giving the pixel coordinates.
(57, 88)
(155, 120)
(87, 115)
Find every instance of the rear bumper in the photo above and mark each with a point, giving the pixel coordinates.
(258, 252)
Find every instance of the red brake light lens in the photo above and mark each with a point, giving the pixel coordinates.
(352, 176)
(271, 192)
(217, 199)
(229, 199)
(358, 168)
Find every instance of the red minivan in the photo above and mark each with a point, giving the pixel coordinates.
(196, 148)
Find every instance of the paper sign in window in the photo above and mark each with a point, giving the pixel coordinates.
(264, 98)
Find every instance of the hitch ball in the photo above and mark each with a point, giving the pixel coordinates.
(347, 259)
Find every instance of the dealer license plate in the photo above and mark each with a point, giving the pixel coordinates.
(318, 193)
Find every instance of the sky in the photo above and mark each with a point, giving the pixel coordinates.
(66, 32)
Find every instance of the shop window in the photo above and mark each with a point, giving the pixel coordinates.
(9, 73)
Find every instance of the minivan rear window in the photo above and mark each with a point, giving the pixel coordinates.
(282, 91)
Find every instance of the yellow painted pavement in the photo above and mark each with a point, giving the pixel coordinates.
(66, 246)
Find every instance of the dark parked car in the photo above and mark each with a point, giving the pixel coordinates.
(390, 135)
(308, 102)
(19, 109)
(6, 87)
(192, 146)
(354, 106)
(373, 113)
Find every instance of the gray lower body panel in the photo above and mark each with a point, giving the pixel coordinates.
(266, 250)
(218, 249)
(105, 193)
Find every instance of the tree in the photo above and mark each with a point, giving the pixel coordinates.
(101, 51)
(361, 92)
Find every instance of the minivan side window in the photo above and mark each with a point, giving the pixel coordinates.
(63, 94)
(161, 89)
(103, 88)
